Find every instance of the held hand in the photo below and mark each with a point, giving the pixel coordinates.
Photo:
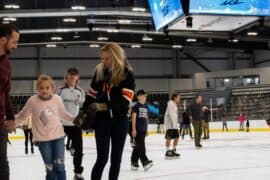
(134, 133)
(79, 119)
(10, 126)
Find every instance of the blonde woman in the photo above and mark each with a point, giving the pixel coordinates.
(112, 88)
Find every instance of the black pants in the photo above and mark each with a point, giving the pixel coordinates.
(28, 136)
(108, 131)
(185, 128)
(4, 167)
(139, 152)
(75, 134)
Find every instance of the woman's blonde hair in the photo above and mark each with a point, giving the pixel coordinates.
(45, 77)
(119, 63)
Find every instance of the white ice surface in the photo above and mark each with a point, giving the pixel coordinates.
(226, 156)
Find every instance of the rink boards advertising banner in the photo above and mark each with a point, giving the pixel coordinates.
(165, 12)
(231, 7)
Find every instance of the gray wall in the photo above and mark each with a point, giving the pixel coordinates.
(155, 69)
(21, 87)
(30, 61)
(200, 78)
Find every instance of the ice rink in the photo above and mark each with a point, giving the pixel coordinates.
(226, 156)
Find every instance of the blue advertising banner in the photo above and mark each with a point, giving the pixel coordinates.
(165, 12)
(231, 7)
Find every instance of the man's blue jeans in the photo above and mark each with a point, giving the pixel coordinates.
(53, 153)
(4, 168)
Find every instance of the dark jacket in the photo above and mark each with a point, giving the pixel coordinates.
(5, 80)
(119, 96)
(185, 118)
(195, 110)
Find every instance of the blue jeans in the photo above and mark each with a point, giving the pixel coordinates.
(4, 167)
(53, 153)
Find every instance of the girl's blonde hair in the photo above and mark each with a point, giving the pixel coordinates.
(45, 77)
(118, 65)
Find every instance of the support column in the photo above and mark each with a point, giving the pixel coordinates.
(232, 59)
(252, 60)
(39, 58)
(175, 63)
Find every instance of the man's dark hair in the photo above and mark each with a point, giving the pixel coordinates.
(7, 29)
(196, 97)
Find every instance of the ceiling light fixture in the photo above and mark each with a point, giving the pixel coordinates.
(102, 38)
(78, 7)
(56, 38)
(112, 30)
(177, 46)
(135, 46)
(252, 33)
(69, 20)
(124, 21)
(138, 9)
(12, 6)
(9, 19)
(76, 36)
(146, 38)
(50, 45)
(233, 40)
(94, 45)
(191, 40)
(62, 30)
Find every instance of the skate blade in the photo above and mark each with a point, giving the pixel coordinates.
(171, 158)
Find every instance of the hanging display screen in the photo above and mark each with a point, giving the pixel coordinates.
(165, 12)
(231, 7)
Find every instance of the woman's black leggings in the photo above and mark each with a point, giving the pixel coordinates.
(108, 131)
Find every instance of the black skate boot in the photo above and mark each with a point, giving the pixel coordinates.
(78, 176)
(175, 154)
(169, 154)
(134, 166)
(148, 165)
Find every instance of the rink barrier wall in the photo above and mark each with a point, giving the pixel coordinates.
(233, 126)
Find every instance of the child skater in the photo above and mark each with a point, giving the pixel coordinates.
(46, 110)
(224, 123)
(139, 118)
(28, 135)
(247, 124)
(241, 119)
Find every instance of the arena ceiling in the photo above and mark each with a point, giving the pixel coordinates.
(55, 22)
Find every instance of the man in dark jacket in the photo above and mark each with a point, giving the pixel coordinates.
(9, 37)
(195, 110)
